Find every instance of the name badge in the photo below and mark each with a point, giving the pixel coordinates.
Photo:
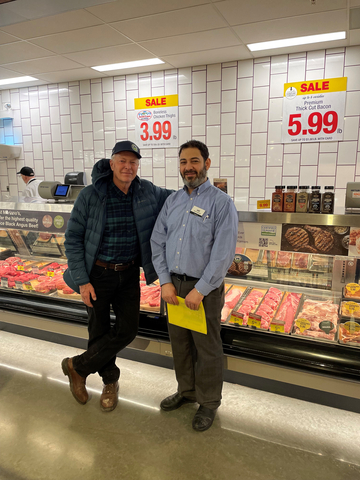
(197, 211)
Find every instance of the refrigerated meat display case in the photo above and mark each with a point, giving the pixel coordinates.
(288, 318)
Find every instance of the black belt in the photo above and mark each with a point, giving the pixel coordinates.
(183, 278)
(118, 267)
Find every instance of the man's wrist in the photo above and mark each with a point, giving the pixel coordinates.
(199, 292)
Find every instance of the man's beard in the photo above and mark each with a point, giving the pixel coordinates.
(198, 180)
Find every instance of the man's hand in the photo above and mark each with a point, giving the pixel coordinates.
(168, 294)
(87, 293)
(193, 299)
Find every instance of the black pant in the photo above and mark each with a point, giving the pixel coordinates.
(121, 290)
(199, 358)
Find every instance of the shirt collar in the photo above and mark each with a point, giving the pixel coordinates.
(116, 191)
(200, 189)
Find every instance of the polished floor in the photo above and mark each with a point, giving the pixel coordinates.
(45, 434)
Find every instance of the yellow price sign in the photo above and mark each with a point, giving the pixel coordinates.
(353, 287)
(50, 273)
(263, 204)
(254, 322)
(277, 327)
(303, 324)
(352, 327)
(236, 320)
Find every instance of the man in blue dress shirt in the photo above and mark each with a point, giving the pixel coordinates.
(193, 244)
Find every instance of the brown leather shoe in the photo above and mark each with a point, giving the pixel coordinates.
(109, 397)
(77, 382)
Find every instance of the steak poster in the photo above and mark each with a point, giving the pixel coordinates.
(324, 240)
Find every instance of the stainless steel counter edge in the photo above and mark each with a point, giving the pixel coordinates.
(300, 218)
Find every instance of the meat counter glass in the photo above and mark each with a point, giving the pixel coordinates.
(33, 259)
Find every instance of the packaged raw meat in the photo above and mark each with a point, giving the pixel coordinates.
(283, 260)
(267, 308)
(349, 333)
(253, 254)
(269, 257)
(350, 309)
(317, 319)
(150, 297)
(352, 290)
(232, 297)
(240, 314)
(285, 315)
(300, 261)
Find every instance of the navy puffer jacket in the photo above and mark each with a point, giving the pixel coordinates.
(87, 222)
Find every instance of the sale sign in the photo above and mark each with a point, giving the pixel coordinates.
(313, 111)
(157, 121)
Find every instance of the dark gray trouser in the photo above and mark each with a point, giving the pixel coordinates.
(198, 358)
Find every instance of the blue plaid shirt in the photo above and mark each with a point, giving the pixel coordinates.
(120, 242)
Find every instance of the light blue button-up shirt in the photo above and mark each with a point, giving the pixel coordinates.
(200, 246)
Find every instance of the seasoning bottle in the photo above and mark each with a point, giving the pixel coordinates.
(277, 199)
(328, 200)
(302, 199)
(315, 200)
(290, 199)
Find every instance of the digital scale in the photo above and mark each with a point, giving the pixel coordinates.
(67, 192)
(352, 199)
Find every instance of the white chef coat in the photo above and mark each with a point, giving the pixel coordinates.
(31, 189)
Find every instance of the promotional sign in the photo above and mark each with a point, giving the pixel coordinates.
(326, 240)
(157, 121)
(313, 111)
(259, 235)
(35, 221)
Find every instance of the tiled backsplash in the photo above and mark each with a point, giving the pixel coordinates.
(235, 108)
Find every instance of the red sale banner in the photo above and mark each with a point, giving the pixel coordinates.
(157, 121)
(313, 111)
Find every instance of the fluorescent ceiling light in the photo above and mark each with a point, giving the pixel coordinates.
(9, 81)
(121, 66)
(290, 42)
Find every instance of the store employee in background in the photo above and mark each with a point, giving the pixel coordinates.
(107, 239)
(193, 244)
(32, 184)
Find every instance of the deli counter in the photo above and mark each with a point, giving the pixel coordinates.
(292, 306)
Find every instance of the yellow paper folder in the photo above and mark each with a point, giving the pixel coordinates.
(184, 317)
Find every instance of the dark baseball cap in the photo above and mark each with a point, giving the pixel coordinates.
(28, 171)
(126, 146)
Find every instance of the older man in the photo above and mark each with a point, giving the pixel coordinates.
(31, 191)
(193, 245)
(107, 239)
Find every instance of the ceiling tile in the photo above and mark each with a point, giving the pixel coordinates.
(208, 57)
(120, 10)
(5, 38)
(70, 75)
(7, 73)
(259, 10)
(7, 17)
(167, 24)
(104, 56)
(18, 51)
(192, 42)
(84, 39)
(31, 9)
(47, 64)
(53, 24)
(292, 27)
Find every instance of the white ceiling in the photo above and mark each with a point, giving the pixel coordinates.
(59, 40)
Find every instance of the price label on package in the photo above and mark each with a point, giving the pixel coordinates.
(157, 121)
(313, 111)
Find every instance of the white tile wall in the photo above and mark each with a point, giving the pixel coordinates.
(236, 108)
